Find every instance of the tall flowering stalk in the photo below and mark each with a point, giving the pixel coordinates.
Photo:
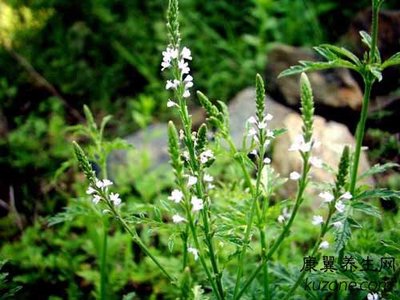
(190, 167)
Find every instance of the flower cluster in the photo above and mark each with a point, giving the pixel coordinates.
(99, 191)
(257, 126)
(173, 58)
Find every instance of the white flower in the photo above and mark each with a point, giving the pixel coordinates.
(295, 176)
(268, 117)
(197, 203)
(328, 197)
(267, 160)
(340, 206)
(96, 199)
(186, 53)
(90, 190)
(254, 152)
(186, 155)
(316, 162)
(337, 224)
(324, 245)
(183, 66)
(317, 220)
(176, 196)
(186, 94)
(171, 103)
(252, 120)
(208, 178)
(169, 54)
(262, 125)
(281, 219)
(181, 134)
(115, 199)
(270, 133)
(210, 186)
(107, 182)
(194, 251)
(252, 132)
(188, 82)
(346, 196)
(300, 145)
(192, 180)
(373, 296)
(172, 84)
(178, 219)
(206, 155)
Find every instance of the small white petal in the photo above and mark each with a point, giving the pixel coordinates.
(192, 180)
(269, 117)
(252, 132)
(194, 251)
(316, 162)
(178, 219)
(171, 103)
(197, 203)
(324, 245)
(252, 120)
(186, 53)
(208, 178)
(346, 196)
(115, 199)
(176, 196)
(186, 94)
(281, 219)
(317, 220)
(328, 197)
(96, 199)
(340, 206)
(267, 160)
(295, 176)
(90, 190)
(337, 224)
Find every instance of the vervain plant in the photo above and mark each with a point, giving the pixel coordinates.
(198, 218)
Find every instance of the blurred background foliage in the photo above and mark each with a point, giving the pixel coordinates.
(56, 55)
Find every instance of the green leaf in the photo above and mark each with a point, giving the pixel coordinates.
(376, 169)
(366, 208)
(366, 38)
(392, 61)
(378, 193)
(342, 234)
(376, 71)
(337, 53)
(309, 66)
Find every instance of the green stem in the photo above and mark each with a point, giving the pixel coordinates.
(285, 231)
(138, 240)
(360, 134)
(103, 262)
(324, 230)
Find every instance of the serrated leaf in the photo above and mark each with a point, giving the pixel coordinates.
(376, 169)
(366, 208)
(309, 66)
(366, 38)
(342, 235)
(378, 193)
(392, 61)
(340, 52)
(376, 72)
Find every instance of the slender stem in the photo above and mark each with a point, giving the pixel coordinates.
(324, 230)
(285, 231)
(138, 240)
(360, 134)
(103, 262)
(368, 82)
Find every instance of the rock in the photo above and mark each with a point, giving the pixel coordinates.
(150, 143)
(332, 136)
(243, 106)
(332, 88)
